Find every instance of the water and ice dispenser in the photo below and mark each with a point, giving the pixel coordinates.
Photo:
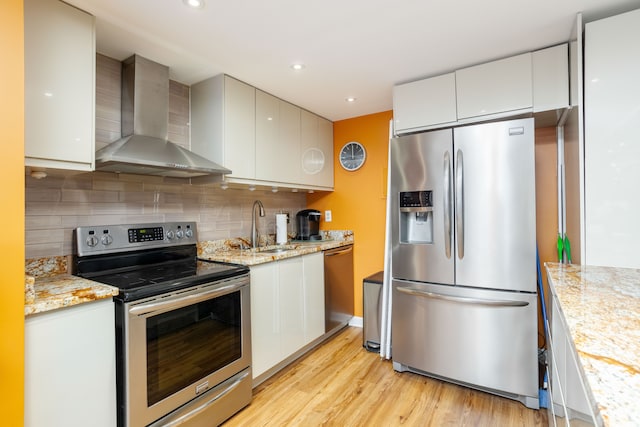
(416, 217)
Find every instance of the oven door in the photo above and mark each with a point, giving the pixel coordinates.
(184, 345)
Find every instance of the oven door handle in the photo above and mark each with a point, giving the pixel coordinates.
(184, 301)
(186, 413)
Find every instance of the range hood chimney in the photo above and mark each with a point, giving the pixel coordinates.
(144, 148)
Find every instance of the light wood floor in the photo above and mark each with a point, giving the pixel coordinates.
(341, 384)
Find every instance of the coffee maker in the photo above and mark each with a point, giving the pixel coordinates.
(308, 225)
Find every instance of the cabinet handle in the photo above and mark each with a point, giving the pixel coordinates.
(180, 418)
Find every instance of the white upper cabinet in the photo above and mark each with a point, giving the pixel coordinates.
(316, 150)
(528, 83)
(495, 87)
(59, 86)
(223, 124)
(424, 103)
(261, 138)
(277, 139)
(551, 78)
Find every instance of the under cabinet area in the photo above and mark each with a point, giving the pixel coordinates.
(264, 140)
(70, 369)
(59, 86)
(287, 310)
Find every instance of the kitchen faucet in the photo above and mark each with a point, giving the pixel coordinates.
(254, 228)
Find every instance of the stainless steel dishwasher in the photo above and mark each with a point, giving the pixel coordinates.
(338, 287)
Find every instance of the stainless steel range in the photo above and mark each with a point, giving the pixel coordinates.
(182, 324)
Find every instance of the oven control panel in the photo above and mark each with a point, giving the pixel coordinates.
(102, 239)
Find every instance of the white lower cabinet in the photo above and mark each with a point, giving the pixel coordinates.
(313, 275)
(572, 405)
(70, 369)
(287, 308)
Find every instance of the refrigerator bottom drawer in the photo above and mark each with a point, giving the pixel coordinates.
(482, 338)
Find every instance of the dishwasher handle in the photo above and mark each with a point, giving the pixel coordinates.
(332, 252)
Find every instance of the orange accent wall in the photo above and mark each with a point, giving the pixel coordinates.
(12, 215)
(358, 202)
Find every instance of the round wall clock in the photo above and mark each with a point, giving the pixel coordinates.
(352, 156)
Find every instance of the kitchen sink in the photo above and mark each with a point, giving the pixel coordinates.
(275, 251)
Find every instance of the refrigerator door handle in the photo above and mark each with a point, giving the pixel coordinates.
(447, 204)
(464, 300)
(459, 208)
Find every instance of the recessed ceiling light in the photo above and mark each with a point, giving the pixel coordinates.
(350, 99)
(297, 66)
(196, 4)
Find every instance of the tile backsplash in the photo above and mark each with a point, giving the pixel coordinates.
(56, 205)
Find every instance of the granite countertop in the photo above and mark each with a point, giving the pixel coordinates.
(43, 294)
(229, 251)
(48, 286)
(601, 307)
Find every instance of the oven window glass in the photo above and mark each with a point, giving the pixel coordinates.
(187, 344)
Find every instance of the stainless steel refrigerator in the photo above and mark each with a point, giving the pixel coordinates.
(464, 299)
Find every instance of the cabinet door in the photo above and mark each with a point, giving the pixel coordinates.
(313, 276)
(495, 87)
(551, 78)
(59, 86)
(70, 367)
(424, 103)
(612, 151)
(239, 128)
(287, 162)
(223, 116)
(568, 381)
(268, 145)
(265, 318)
(316, 150)
(325, 143)
(291, 302)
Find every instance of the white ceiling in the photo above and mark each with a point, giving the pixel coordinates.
(358, 48)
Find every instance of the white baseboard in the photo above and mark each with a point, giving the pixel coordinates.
(356, 321)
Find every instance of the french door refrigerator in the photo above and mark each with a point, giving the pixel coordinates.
(464, 299)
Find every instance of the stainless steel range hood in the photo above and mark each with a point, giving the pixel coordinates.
(144, 148)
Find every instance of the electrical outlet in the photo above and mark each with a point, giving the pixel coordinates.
(327, 216)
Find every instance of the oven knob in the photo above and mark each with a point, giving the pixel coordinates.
(106, 239)
(92, 241)
(189, 233)
(179, 234)
(170, 234)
